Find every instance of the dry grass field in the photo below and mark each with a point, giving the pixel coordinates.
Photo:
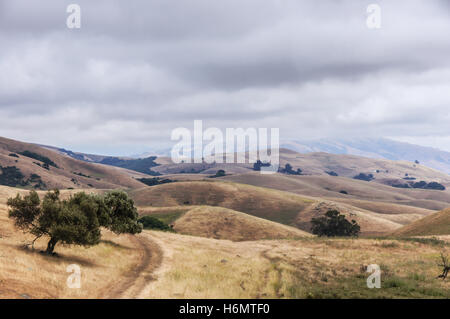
(26, 273)
(435, 224)
(196, 267)
(171, 265)
(241, 236)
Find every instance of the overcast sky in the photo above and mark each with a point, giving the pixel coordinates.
(135, 70)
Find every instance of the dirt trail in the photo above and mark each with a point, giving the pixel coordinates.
(136, 279)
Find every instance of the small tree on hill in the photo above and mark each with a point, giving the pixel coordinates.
(76, 220)
(334, 224)
(219, 173)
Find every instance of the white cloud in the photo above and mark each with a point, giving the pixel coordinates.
(135, 71)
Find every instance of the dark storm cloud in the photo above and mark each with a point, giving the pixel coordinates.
(138, 69)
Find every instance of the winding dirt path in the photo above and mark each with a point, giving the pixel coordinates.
(136, 279)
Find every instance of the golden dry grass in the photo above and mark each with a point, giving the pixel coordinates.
(330, 187)
(435, 224)
(224, 223)
(26, 273)
(262, 202)
(195, 267)
(306, 268)
(375, 218)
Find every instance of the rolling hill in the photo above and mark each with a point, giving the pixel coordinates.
(287, 208)
(347, 190)
(224, 223)
(31, 166)
(261, 202)
(380, 171)
(381, 148)
(435, 224)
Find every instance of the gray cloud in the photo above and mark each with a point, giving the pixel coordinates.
(136, 70)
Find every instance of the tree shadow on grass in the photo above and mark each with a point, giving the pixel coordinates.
(57, 257)
(113, 244)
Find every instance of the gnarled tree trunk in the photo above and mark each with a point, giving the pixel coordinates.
(51, 246)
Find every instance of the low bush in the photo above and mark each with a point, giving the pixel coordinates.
(150, 222)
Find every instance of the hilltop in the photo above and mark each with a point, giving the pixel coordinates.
(31, 166)
(435, 224)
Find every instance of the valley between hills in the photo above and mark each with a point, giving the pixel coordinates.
(239, 234)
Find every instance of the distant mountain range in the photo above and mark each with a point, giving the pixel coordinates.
(382, 148)
(377, 148)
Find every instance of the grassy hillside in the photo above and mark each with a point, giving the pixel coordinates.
(309, 267)
(386, 172)
(376, 148)
(345, 189)
(195, 267)
(224, 223)
(278, 206)
(31, 166)
(435, 224)
(261, 202)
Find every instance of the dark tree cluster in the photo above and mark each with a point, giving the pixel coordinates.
(364, 177)
(47, 162)
(12, 176)
(155, 181)
(334, 224)
(141, 165)
(332, 173)
(257, 166)
(81, 174)
(289, 170)
(421, 185)
(219, 173)
(43, 165)
(76, 220)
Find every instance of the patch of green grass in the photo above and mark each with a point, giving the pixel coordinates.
(390, 244)
(150, 222)
(170, 217)
(426, 241)
(433, 241)
(355, 287)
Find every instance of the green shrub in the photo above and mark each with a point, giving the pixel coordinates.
(155, 181)
(257, 166)
(289, 170)
(150, 222)
(364, 177)
(11, 176)
(334, 224)
(219, 173)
